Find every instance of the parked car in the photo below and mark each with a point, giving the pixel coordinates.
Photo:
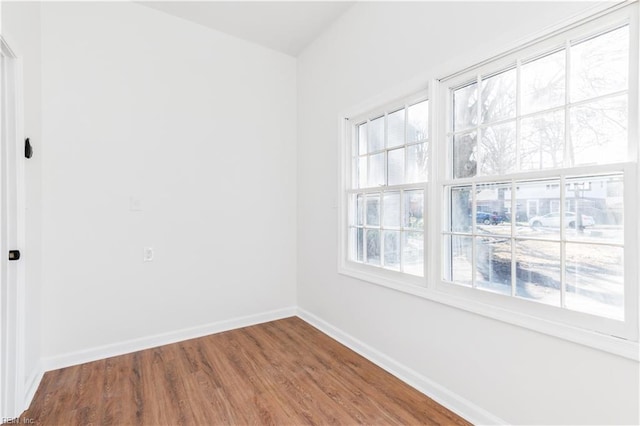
(483, 217)
(491, 218)
(552, 220)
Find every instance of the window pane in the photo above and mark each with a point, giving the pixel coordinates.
(543, 82)
(418, 119)
(413, 209)
(464, 155)
(362, 172)
(362, 139)
(600, 65)
(493, 204)
(375, 134)
(599, 132)
(493, 264)
(392, 249)
(373, 210)
(395, 169)
(360, 210)
(542, 141)
(461, 265)
(465, 105)
(538, 271)
(376, 170)
(360, 244)
(536, 209)
(413, 253)
(395, 126)
(373, 246)
(499, 96)
(595, 208)
(497, 153)
(356, 244)
(594, 275)
(391, 209)
(461, 209)
(417, 163)
(352, 244)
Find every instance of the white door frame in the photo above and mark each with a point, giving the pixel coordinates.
(12, 237)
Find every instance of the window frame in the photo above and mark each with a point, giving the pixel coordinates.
(627, 329)
(585, 329)
(348, 186)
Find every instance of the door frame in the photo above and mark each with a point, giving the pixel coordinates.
(12, 223)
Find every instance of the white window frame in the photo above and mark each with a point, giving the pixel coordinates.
(568, 325)
(348, 186)
(627, 329)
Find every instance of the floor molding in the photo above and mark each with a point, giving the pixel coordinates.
(435, 391)
(128, 346)
(32, 384)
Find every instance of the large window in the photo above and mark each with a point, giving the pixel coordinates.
(514, 193)
(539, 156)
(386, 199)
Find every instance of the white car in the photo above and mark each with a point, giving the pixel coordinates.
(552, 220)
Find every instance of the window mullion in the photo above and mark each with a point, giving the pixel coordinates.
(402, 231)
(518, 112)
(473, 236)
(514, 206)
(568, 147)
(405, 174)
(568, 162)
(563, 245)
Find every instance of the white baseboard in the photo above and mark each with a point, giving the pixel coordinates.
(438, 393)
(454, 402)
(33, 381)
(128, 346)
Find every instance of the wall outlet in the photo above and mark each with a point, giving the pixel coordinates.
(148, 254)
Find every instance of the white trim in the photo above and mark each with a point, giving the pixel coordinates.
(443, 396)
(142, 343)
(21, 240)
(348, 187)
(6, 48)
(582, 18)
(614, 18)
(432, 286)
(32, 384)
(12, 368)
(510, 311)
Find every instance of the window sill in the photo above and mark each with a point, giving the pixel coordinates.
(617, 346)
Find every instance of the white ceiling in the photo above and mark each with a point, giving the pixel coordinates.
(285, 26)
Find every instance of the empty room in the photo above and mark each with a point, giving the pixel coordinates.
(320, 212)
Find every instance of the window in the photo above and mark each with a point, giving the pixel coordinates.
(389, 157)
(541, 139)
(521, 202)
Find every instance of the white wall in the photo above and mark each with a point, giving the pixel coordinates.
(518, 375)
(200, 127)
(138, 103)
(21, 28)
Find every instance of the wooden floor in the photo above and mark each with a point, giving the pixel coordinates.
(284, 373)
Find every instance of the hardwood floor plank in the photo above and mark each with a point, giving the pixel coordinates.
(283, 372)
(334, 367)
